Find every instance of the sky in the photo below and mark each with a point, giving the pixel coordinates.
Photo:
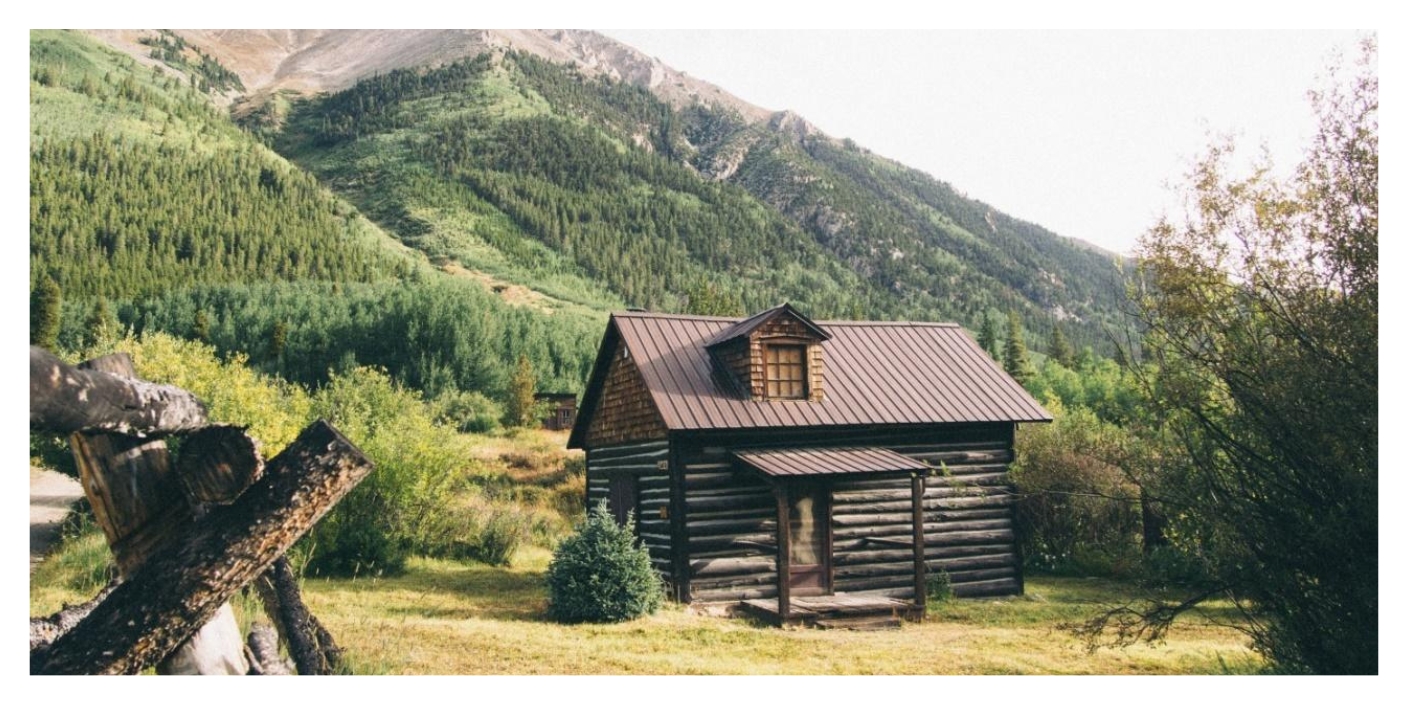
(1082, 132)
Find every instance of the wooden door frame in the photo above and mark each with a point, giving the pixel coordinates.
(821, 489)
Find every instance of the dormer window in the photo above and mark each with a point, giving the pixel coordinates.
(775, 355)
(785, 370)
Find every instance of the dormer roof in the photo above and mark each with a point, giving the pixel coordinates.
(747, 325)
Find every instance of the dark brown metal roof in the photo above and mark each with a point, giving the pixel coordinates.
(811, 462)
(876, 373)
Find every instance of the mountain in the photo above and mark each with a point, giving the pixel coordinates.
(546, 175)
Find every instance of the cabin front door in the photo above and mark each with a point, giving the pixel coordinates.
(809, 539)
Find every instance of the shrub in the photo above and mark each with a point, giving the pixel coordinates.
(468, 411)
(400, 508)
(938, 587)
(1077, 511)
(599, 574)
(501, 535)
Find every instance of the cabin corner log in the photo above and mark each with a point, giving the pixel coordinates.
(181, 587)
(64, 399)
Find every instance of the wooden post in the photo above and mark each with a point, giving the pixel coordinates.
(182, 585)
(920, 580)
(784, 552)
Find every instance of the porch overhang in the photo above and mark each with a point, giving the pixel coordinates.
(820, 462)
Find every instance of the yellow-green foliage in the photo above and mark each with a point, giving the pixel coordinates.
(400, 507)
(274, 411)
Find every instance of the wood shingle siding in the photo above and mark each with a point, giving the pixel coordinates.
(626, 412)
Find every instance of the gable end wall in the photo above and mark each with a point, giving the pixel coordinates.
(625, 412)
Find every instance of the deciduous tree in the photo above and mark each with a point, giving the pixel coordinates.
(1261, 308)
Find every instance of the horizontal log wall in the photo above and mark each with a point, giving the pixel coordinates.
(968, 528)
(731, 527)
(643, 461)
(968, 520)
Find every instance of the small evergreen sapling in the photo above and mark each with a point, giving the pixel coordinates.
(599, 574)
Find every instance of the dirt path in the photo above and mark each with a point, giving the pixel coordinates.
(50, 495)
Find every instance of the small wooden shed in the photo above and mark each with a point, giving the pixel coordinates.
(561, 409)
(799, 466)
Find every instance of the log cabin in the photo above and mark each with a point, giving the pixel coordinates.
(806, 470)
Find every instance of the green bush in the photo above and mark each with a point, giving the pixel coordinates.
(1077, 511)
(400, 508)
(468, 411)
(938, 587)
(599, 574)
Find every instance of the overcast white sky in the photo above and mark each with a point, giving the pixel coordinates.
(1081, 132)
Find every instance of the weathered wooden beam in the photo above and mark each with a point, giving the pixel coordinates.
(313, 650)
(64, 399)
(137, 502)
(180, 588)
(784, 551)
(44, 630)
(732, 565)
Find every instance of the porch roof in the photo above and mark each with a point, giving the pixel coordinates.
(794, 462)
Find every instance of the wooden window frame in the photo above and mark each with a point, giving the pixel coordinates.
(803, 349)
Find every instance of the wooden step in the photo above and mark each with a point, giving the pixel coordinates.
(868, 623)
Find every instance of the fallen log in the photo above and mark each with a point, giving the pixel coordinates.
(180, 587)
(64, 399)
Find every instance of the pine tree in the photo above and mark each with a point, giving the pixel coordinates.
(45, 303)
(101, 327)
(278, 339)
(521, 388)
(1014, 357)
(987, 337)
(200, 329)
(1059, 349)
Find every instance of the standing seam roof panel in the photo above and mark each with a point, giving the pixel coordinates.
(962, 393)
(941, 394)
(900, 403)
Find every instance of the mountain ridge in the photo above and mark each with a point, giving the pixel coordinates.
(921, 247)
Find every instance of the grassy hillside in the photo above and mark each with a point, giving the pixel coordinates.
(148, 204)
(596, 190)
(524, 169)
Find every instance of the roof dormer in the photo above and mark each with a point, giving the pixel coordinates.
(775, 355)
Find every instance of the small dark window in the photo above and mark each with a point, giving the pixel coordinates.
(785, 368)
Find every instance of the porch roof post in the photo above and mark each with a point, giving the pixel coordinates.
(784, 551)
(917, 499)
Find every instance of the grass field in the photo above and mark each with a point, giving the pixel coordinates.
(468, 618)
(463, 618)
(445, 617)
